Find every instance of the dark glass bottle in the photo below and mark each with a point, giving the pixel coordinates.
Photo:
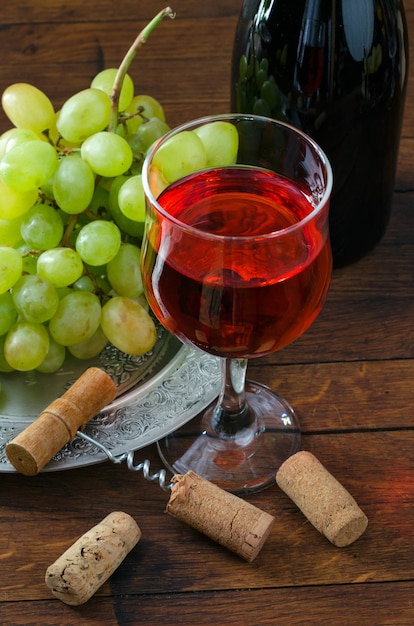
(336, 69)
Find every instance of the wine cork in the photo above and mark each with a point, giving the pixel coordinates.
(322, 499)
(227, 519)
(36, 445)
(79, 572)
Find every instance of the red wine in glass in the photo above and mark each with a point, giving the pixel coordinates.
(244, 300)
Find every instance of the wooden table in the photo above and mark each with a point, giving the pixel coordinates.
(350, 378)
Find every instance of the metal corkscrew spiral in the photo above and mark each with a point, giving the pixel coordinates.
(128, 456)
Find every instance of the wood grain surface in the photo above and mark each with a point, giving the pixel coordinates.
(350, 378)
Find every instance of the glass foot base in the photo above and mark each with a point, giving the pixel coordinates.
(242, 463)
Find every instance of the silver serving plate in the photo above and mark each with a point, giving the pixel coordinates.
(158, 392)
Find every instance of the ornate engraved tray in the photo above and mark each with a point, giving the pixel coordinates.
(158, 392)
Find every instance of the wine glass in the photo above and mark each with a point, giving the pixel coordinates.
(236, 261)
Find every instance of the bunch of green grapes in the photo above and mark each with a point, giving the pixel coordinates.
(71, 220)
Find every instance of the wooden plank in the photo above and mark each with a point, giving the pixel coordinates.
(351, 396)
(335, 605)
(56, 11)
(102, 41)
(380, 604)
(405, 169)
(374, 329)
(401, 226)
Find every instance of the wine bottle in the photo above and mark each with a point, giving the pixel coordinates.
(336, 69)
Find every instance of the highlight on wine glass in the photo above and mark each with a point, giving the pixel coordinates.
(236, 261)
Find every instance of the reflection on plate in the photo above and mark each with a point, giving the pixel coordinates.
(158, 392)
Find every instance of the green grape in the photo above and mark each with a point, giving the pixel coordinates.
(131, 198)
(16, 136)
(29, 257)
(129, 126)
(180, 155)
(73, 185)
(35, 298)
(4, 365)
(28, 166)
(90, 347)
(95, 270)
(138, 146)
(98, 242)
(84, 114)
(150, 108)
(63, 291)
(107, 154)
(60, 266)
(99, 205)
(11, 266)
(26, 346)
(54, 358)
(105, 81)
(15, 203)
(84, 283)
(124, 272)
(4, 140)
(136, 167)
(150, 131)
(76, 319)
(57, 140)
(46, 190)
(121, 128)
(10, 231)
(128, 326)
(143, 301)
(221, 143)
(103, 285)
(42, 227)
(28, 107)
(135, 229)
(8, 313)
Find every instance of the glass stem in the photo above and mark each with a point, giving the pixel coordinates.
(232, 413)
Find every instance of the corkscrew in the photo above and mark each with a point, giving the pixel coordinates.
(129, 457)
(222, 516)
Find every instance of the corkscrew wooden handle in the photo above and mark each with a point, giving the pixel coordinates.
(36, 445)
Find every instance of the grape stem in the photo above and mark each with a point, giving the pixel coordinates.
(68, 231)
(127, 60)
